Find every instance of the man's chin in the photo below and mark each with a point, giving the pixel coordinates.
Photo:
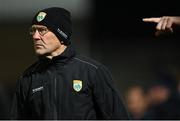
(39, 53)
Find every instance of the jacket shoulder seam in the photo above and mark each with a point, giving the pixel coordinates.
(86, 62)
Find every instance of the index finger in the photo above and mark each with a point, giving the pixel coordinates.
(155, 20)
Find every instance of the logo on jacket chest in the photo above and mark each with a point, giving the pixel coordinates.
(77, 85)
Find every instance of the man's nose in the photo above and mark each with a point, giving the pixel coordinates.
(36, 35)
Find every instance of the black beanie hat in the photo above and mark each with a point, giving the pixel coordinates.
(58, 20)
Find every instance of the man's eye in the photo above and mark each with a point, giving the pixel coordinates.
(42, 29)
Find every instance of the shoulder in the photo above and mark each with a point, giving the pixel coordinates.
(86, 61)
(25, 78)
(30, 69)
(90, 63)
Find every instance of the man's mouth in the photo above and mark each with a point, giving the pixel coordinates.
(38, 45)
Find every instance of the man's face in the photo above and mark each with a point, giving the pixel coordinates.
(45, 41)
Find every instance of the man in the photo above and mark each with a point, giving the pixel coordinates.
(164, 24)
(62, 84)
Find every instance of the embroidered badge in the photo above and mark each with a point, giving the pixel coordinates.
(77, 85)
(40, 16)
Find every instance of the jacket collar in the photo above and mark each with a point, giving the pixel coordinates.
(63, 58)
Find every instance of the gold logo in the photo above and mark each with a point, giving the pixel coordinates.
(77, 85)
(41, 16)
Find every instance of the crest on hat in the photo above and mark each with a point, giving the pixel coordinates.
(77, 85)
(40, 16)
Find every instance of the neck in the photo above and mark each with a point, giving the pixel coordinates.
(57, 52)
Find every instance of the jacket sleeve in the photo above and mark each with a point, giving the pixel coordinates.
(19, 101)
(108, 103)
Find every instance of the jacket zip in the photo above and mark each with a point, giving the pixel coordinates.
(55, 98)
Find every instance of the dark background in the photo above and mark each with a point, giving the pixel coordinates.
(113, 34)
(128, 46)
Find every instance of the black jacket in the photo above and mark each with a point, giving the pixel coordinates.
(67, 87)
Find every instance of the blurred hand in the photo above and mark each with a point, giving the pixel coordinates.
(164, 24)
